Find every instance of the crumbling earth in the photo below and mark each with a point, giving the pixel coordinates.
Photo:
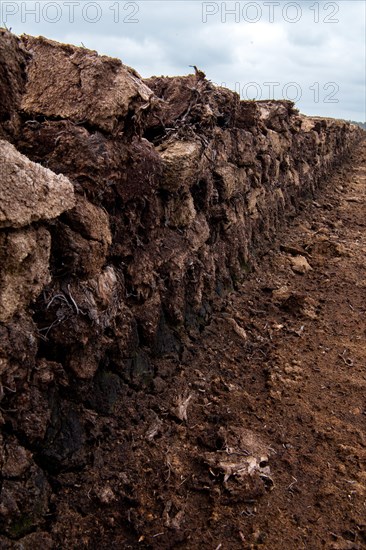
(256, 438)
(181, 336)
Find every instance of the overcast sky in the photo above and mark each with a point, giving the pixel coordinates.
(311, 51)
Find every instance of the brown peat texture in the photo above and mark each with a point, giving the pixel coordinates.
(182, 312)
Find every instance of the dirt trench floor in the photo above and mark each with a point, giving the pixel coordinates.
(255, 438)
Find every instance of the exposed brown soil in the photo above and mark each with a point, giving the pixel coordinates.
(296, 381)
(275, 384)
(289, 385)
(176, 372)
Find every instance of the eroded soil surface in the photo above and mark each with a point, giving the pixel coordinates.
(255, 437)
(259, 442)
